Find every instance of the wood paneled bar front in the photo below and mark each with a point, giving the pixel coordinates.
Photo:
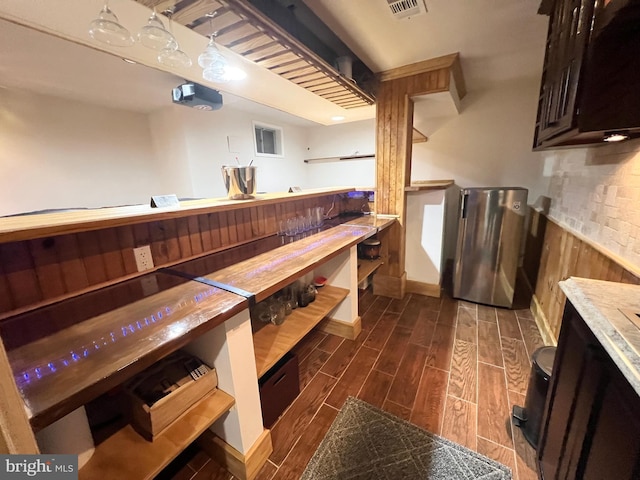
(48, 257)
(64, 345)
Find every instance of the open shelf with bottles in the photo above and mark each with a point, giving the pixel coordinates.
(271, 342)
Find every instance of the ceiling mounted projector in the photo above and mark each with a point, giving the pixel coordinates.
(197, 96)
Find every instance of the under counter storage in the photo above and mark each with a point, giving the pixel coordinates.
(590, 428)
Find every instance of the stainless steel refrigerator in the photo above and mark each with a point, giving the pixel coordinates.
(488, 248)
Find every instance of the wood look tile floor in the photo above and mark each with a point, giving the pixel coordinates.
(452, 367)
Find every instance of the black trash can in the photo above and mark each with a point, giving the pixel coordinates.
(529, 418)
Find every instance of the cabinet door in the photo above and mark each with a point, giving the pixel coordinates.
(577, 377)
(590, 428)
(612, 447)
(569, 29)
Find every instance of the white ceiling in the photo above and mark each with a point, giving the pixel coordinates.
(498, 40)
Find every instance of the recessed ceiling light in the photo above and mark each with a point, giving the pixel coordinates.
(337, 118)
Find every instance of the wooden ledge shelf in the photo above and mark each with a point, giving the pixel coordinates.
(127, 455)
(27, 227)
(367, 267)
(271, 342)
(61, 371)
(428, 185)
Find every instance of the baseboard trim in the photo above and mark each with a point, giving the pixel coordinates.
(390, 286)
(542, 322)
(421, 288)
(244, 467)
(348, 330)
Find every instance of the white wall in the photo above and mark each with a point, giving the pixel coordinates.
(489, 143)
(355, 138)
(425, 236)
(595, 192)
(205, 148)
(57, 154)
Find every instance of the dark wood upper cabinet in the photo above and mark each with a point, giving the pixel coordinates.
(590, 73)
(591, 428)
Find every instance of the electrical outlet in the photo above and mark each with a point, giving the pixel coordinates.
(144, 260)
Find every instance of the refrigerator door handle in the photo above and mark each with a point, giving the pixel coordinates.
(463, 205)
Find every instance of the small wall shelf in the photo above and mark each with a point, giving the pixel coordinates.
(271, 342)
(126, 454)
(337, 158)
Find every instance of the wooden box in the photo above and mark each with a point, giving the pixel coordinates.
(162, 393)
(278, 388)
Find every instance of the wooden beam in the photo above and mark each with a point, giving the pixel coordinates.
(446, 61)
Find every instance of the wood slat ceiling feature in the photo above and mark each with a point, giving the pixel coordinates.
(198, 11)
(245, 30)
(305, 77)
(290, 66)
(276, 59)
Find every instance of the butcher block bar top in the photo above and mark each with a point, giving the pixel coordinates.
(379, 222)
(65, 355)
(267, 273)
(39, 225)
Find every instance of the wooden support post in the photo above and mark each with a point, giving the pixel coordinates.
(16, 435)
(394, 128)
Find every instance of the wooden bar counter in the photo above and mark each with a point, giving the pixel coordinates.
(64, 354)
(67, 365)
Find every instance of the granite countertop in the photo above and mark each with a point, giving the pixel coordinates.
(601, 305)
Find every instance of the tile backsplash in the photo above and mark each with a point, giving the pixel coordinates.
(596, 192)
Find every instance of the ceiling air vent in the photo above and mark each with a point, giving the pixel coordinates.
(407, 8)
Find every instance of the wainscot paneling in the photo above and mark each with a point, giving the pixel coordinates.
(563, 254)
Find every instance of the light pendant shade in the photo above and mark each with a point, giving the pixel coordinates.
(107, 29)
(153, 35)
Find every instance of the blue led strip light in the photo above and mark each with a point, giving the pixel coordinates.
(212, 283)
(79, 353)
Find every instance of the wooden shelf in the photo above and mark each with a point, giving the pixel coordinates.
(271, 342)
(428, 185)
(367, 267)
(417, 136)
(128, 455)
